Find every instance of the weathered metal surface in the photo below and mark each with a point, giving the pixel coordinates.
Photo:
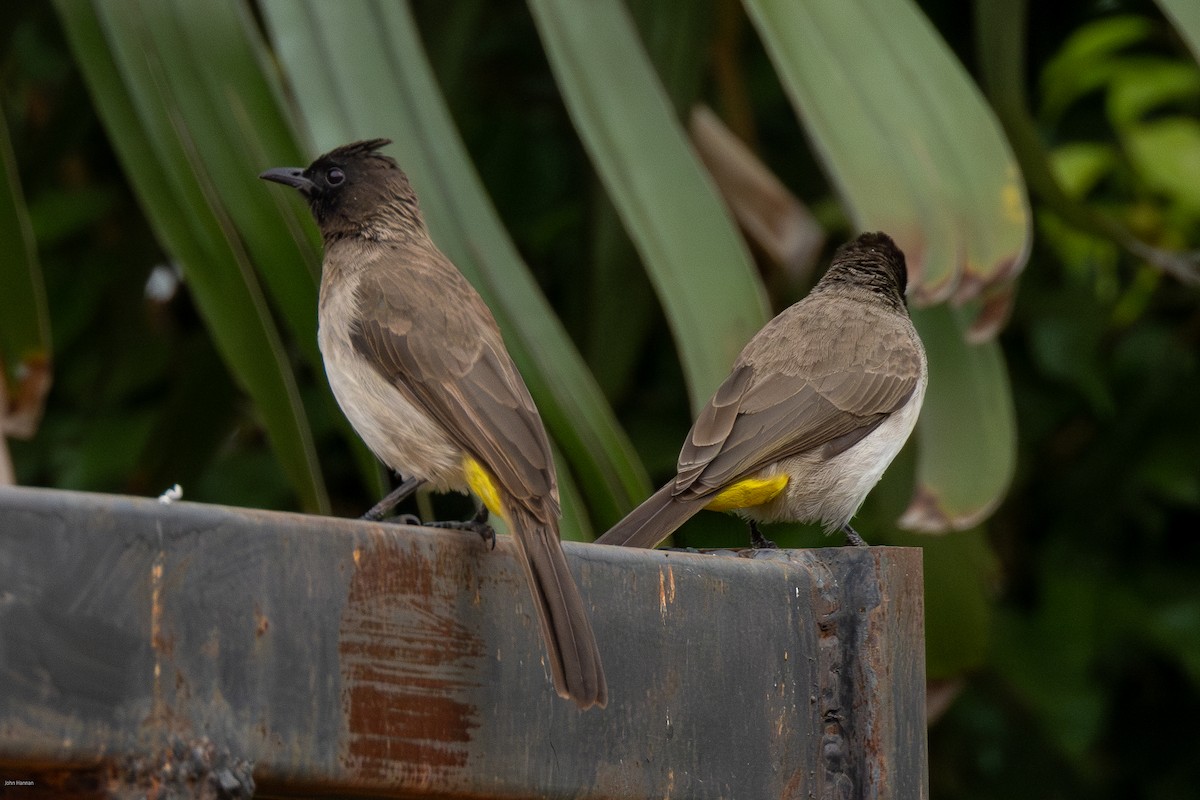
(337, 657)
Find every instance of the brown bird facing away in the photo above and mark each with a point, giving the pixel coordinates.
(817, 405)
(417, 364)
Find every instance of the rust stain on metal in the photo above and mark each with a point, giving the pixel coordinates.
(156, 606)
(666, 589)
(261, 623)
(404, 661)
(159, 643)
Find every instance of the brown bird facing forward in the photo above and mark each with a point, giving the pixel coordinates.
(817, 405)
(417, 364)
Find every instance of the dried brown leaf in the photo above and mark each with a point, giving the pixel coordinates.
(770, 215)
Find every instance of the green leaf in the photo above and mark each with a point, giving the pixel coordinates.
(234, 118)
(361, 71)
(906, 137)
(1088, 61)
(1175, 627)
(233, 114)
(24, 318)
(1145, 85)
(959, 573)
(623, 310)
(698, 263)
(619, 302)
(1001, 26)
(1185, 17)
(1167, 154)
(130, 52)
(1050, 657)
(677, 37)
(967, 429)
(1081, 166)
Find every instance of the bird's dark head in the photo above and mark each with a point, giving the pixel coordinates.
(354, 190)
(872, 261)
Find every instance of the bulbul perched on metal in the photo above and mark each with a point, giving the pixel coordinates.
(817, 406)
(417, 364)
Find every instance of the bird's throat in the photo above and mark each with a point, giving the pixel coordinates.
(748, 492)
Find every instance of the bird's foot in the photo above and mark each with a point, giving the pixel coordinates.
(852, 536)
(758, 541)
(478, 524)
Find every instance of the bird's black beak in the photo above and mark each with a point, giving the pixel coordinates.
(291, 176)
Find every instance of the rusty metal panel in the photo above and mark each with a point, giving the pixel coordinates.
(196, 650)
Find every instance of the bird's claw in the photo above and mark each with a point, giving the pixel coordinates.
(758, 541)
(485, 531)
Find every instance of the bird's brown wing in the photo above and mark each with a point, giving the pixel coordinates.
(762, 414)
(435, 340)
(432, 336)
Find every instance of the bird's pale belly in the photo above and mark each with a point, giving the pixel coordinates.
(403, 436)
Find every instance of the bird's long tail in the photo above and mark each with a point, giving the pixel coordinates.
(654, 520)
(566, 629)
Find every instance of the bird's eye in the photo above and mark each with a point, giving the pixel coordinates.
(334, 176)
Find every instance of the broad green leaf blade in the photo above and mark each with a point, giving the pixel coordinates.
(621, 307)
(361, 71)
(1185, 17)
(123, 68)
(698, 263)
(678, 38)
(619, 301)
(234, 121)
(233, 113)
(24, 318)
(967, 430)
(906, 137)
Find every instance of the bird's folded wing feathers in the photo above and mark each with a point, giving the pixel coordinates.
(778, 416)
(445, 360)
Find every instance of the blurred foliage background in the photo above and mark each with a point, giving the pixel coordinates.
(635, 189)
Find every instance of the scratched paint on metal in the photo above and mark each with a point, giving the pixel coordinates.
(406, 661)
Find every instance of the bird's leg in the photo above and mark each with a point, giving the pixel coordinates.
(393, 499)
(478, 524)
(758, 541)
(852, 536)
